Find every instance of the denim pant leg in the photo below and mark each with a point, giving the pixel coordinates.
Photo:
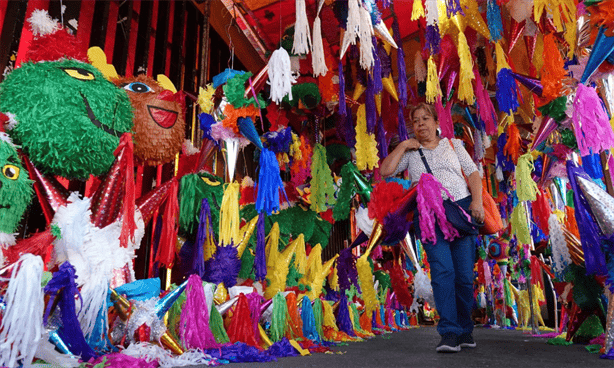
(443, 282)
(463, 257)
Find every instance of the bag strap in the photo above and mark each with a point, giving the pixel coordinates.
(426, 164)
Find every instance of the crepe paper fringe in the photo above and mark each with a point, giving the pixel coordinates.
(370, 105)
(465, 87)
(165, 359)
(366, 145)
(400, 286)
(365, 276)
(194, 324)
(322, 186)
(260, 260)
(216, 323)
(485, 107)
(241, 329)
(384, 199)
(343, 317)
(591, 124)
(553, 71)
(279, 317)
(526, 188)
(204, 231)
(365, 34)
(493, 17)
(513, 145)
(433, 89)
(445, 119)
(224, 266)
(594, 258)
(507, 90)
(229, 215)
(170, 228)
(432, 39)
(417, 10)
(520, 227)
(430, 208)
(302, 37)
(280, 74)
(541, 212)
(269, 184)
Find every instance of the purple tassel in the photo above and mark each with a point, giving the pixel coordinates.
(376, 73)
(370, 108)
(506, 93)
(63, 281)
(350, 131)
(395, 228)
(402, 128)
(343, 317)
(385, 61)
(282, 349)
(204, 223)
(260, 260)
(402, 82)
(224, 266)
(382, 142)
(453, 7)
(594, 258)
(341, 89)
(346, 270)
(432, 39)
(240, 352)
(279, 141)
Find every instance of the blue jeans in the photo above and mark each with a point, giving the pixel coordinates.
(452, 280)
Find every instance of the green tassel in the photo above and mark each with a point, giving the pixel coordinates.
(317, 315)
(216, 323)
(191, 193)
(174, 314)
(279, 317)
(322, 186)
(234, 90)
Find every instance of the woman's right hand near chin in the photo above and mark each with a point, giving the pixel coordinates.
(411, 144)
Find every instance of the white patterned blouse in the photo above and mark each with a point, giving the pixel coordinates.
(446, 165)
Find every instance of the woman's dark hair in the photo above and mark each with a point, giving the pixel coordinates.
(430, 109)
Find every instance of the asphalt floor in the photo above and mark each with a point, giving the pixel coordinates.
(416, 348)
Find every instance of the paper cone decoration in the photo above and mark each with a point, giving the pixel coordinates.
(388, 84)
(51, 194)
(247, 230)
(516, 30)
(225, 307)
(575, 247)
(474, 19)
(600, 203)
(169, 342)
(547, 126)
(533, 84)
(121, 304)
(377, 235)
(602, 48)
(166, 302)
(151, 201)
(382, 32)
(407, 247)
(206, 151)
(359, 89)
(59, 343)
(231, 153)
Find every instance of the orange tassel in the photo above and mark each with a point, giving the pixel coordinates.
(294, 329)
(513, 145)
(570, 221)
(552, 71)
(232, 114)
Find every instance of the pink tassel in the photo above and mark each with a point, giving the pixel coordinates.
(485, 106)
(194, 323)
(119, 360)
(591, 124)
(430, 207)
(445, 119)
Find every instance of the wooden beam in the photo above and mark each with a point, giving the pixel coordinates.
(220, 19)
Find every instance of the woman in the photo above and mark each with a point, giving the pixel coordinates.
(451, 262)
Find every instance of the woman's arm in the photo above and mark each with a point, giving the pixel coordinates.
(390, 163)
(475, 187)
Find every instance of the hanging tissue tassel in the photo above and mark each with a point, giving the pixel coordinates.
(194, 325)
(302, 39)
(445, 119)
(294, 330)
(260, 260)
(541, 212)
(433, 89)
(507, 88)
(365, 276)
(343, 317)
(318, 62)
(342, 108)
(419, 67)
(493, 17)
(170, 228)
(204, 231)
(322, 188)
(346, 270)
(465, 86)
(485, 106)
(224, 266)
(520, 227)
(229, 215)
(370, 105)
(430, 208)
(553, 72)
(402, 72)
(432, 37)
(417, 10)
(591, 124)
(241, 329)
(560, 252)
(366, 43)
(22, 320)
(400, 286)
(280, 75)
(512, 147)
(278, 317)
(366, 145)
(594, 258)
(526, 188)
(269, 183)
(309, 323)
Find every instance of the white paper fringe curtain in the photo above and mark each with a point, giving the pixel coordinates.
(318, 61)
(280, 75)
(302, 39)
(366, 43)
(22, 322)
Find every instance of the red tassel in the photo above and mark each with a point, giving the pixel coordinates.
(39, 244)
(128, 224)
(384, 199)
(241, 329)
(541, 212)
(400, 286)
(168, 238)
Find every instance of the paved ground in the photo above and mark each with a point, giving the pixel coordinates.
(416, 348)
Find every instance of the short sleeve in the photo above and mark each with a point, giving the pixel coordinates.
(467, 164)
(403, 164)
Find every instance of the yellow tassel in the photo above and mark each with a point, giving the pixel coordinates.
(538, 8)
(209, 246)
(366, 145)
(316, 285)
(272, 247)
(205, 98)
(501, 58)
(333, 279)
(433, 90)
(295, 147)
(328, 317)
(366, 283)
(465, 86)
(520, 227)
(280, 270)
(300, 259)
(417, 10)
(526, 188)
(229, 215)
(570, 28)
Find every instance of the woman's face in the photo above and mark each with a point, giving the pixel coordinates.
(425, 125)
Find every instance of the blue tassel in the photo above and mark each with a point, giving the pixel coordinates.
(260, 260)
(206, 121)
(592, 165)
(506, 94)
(341, 89)
(504, 161)
(594, 258)
(343, 317)
(247, 128)
(279, 141)
(63, 281)
(269, 183)
(309, 322)
(493, 17)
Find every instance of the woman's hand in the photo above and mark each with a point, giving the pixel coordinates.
(477, 210)
(411, 144)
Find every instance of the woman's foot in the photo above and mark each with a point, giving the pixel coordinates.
(466, 341)
(448, 343)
